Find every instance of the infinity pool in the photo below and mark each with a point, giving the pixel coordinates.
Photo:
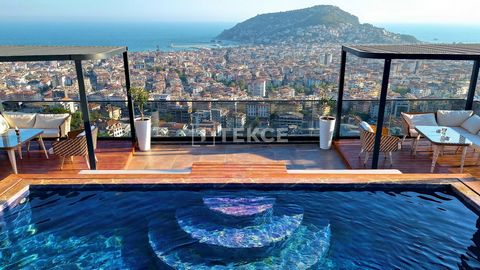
(239, 229)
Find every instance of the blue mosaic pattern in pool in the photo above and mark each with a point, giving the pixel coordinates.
(239, 206)
(264, 229)
(239, 229)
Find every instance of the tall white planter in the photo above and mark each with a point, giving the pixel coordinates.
(143, 128)
(327, 125)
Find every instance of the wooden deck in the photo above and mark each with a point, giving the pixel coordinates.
(112, 155)
(406, 163)
(295, 156)
(119, 155)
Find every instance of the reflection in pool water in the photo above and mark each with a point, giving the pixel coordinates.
(239, 229)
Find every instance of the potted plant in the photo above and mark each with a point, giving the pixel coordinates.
(327, 122)
(143, 124)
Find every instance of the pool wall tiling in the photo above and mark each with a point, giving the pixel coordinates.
(16, 187)
(212, 226)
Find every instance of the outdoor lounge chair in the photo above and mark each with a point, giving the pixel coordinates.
(75, 146)
(388, 143)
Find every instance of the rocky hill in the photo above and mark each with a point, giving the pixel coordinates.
(320, 24)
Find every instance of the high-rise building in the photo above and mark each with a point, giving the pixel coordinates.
(285, 120)
(258, 109)
(327, 59)
(418, 65)
(258, 88)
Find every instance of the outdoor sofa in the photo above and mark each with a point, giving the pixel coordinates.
(54, 126)
(465, 122)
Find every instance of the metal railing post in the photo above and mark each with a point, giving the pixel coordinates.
(130, 105)
(85, 114)
(341, 84)
(381, 113)
(473, 85)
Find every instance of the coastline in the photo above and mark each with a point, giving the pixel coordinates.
(152, 36)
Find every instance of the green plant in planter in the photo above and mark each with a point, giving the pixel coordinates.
(326, 105)
(140, 98)
(326, 102)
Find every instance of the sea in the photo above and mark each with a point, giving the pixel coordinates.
(148, 36)
(137, 36)
(438, 33)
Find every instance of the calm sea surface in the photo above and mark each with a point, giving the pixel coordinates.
(137, 36)
(441, 33)
(151, 35)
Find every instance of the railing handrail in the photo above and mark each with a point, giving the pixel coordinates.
(242, 101)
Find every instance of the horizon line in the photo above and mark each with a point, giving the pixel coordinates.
(90, 20)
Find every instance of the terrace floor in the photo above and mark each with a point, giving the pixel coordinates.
(406, 163)
(118, 155)
(112, 155)
(296, 156)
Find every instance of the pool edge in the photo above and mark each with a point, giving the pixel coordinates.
(14, 187)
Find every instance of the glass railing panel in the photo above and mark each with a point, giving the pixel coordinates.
(224, 118)
(111, 117)
(288, 118)
(476, 107)
(355, 111)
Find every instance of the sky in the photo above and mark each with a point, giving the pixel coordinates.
(368, 11)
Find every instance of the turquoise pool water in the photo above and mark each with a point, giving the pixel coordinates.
(239, 229)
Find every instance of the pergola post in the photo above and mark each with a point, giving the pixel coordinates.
(341, 85)
(85, 114)
(381, 112)
(131, 113)
(473, 85)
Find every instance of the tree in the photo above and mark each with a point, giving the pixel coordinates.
(56, 110)
(242, 85)
(183, 78)
(140, 98)
(402, 90)
(77, 122)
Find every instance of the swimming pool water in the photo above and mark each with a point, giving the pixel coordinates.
(239, 229)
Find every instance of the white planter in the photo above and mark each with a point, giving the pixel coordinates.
(327, 126)
(143, 129)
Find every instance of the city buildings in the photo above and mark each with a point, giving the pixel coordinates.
(188, 87)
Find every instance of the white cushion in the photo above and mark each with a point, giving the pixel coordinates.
(51, 133)
(423, 119)
(366, 126)
(49, 121)
(472, 124)
(20, 119)
(3, 125)
(452, 118)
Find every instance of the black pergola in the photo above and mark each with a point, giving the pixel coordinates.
(76, 54)
(464, 52)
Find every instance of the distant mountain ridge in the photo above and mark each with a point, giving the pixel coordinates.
(320, 24)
